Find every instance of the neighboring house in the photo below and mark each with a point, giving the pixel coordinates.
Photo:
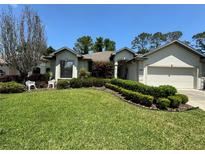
(5, 70)
(174, 64)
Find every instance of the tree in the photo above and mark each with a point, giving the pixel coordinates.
(109, 45)
(83, 45)
(187, 42)
(199, 39)
(171, 36)
(142, 42)
(157, 39)
(48, 51)
(99, 44)
(23, 40)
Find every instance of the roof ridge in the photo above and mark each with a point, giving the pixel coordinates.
(169, 43)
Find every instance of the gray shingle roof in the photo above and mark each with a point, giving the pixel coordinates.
(99, 56)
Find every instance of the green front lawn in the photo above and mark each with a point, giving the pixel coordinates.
(93, 119)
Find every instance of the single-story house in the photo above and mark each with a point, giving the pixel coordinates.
(6, 70)
(174, 63)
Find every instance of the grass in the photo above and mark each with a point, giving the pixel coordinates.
(92, 119)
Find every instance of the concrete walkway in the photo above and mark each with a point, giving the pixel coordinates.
(196, 97)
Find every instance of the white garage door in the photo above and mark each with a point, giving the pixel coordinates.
(178, 77)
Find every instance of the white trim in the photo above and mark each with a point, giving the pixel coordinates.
(125, 48)
(65, 48)
(172, 65)
(197, 79)
(145, 74)
(115, 69)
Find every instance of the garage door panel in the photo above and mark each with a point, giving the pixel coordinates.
(178, 77)
(157, 71)
(184, 72)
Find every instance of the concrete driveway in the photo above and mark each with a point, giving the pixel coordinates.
(196, 97)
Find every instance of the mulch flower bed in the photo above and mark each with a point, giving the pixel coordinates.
(181, 108)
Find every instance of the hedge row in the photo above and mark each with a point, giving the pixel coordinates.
(19, 79)
(172, 101)
(9, 78)
(63, 84)
(161, 91)
(135, 97)
(11, 87)
(78, 83)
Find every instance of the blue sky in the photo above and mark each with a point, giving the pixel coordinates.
(121, 23)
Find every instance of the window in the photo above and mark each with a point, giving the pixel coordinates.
(2, 73)
(66, 69)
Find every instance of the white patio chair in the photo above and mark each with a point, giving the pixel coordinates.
(52, 83)
(29, 84)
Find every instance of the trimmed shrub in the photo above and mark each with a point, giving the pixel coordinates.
(113, 87)
(11, 87)
(9, 78)
(19, 79)
(76, 83)
(100, 82)
(166, 90)
(163, 103)
(63, 84)
(135, 97)
(88, 82)
(161, 91)
(102, 69)
(175, 101)
(184, 98)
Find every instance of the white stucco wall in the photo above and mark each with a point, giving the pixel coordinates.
(123, 55)
(43, 66)
(175, 56)
(66, 55)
